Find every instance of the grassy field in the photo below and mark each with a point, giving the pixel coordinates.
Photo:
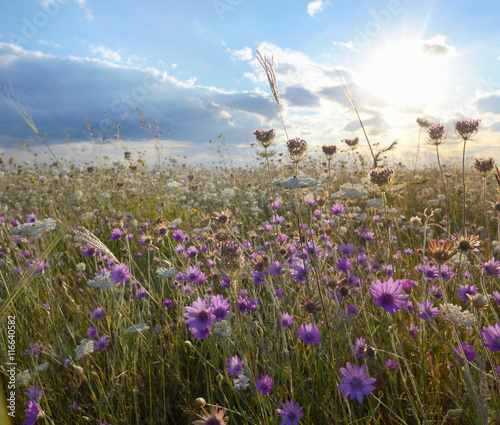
(299, 290)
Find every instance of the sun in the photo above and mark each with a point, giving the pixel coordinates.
(404, 74)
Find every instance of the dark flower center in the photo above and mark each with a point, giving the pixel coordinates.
(464, 245)
(213, 421)
(387, 299)
(356, 383)
(203, 316)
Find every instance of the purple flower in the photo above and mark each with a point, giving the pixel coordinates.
(167, 303)
(344, 264)
(368, 236)
(345, 249)
(32, 413)
(291, 413)
(102, 343)
(74, 406)
(428, 311)
(34, 394)
(198, 315)
(361, 348)
(391, 364)
(193, 274)
(35, 268)
(492, 267)
(412, 329)
(98, 313)
(275, 268)
(388, 295)
(464, 290)
(468, 350)
(264, 384)
(491, 336)
(309, 334)
(286, 320)
(337, 209)
(191, 252)
(92, 332)
(116, 234)
(355, 382)
(351, 309)
(234, 366)
(299, 271)
(220, 307)
(496, 297)
(141, 293)
(35, 349)
(178, 235)
(275, 205)
(31, 218)
(279, 292)
(119, 274)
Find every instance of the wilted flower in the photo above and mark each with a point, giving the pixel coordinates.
(441, 252)
(215, 417)
(422, 122)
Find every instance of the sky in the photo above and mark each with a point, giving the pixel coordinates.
(191, 69)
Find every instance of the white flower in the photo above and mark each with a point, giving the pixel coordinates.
(374, 202)
(457, 316)
(166, 273)
(300, 182)
(139, 327)
(42, 367)
(222, 329)
(352, 191)
(241, 382)
(81, 267)
(23, 378)
(86, 347)
(101, 281)
(34, 229)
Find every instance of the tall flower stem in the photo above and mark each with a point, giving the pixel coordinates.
(486, 223)
(463, 184)
(418, 149)
(445, 192)
(389, 239)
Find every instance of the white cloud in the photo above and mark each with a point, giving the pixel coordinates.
(349, 45)
(244, 54)
(315, 7)
(106, 53)
(49, 43)
(436, 46)
(88, 13)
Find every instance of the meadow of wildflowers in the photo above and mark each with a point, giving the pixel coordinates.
(298, 291)
(295, 291)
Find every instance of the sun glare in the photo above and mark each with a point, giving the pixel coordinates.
(404, 75)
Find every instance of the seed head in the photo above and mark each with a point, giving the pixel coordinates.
(467, 128)
(436, 134)
(483, 165)
(231, 256)
(381, 177)
(352, 143)
(265, 137)
(329, 151)
(297, 149)
(422, 122)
